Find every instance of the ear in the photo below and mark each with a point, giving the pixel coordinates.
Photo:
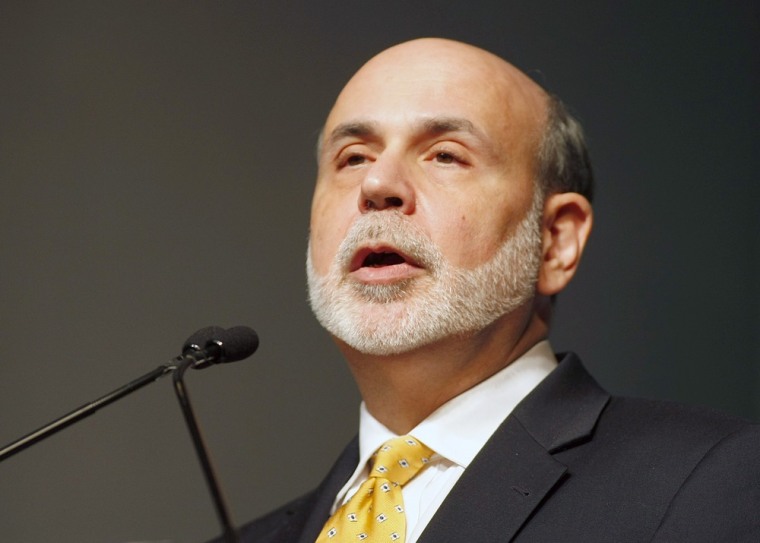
(566, 226)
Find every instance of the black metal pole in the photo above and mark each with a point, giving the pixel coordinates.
(230, 534)
(82, 412)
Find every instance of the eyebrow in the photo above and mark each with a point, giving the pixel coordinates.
(442, 125)
(355, 129)
(433, 126)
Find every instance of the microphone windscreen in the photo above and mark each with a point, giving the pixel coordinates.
(238, 342)
(200, 339)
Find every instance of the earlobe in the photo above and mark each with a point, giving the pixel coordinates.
(566, 226)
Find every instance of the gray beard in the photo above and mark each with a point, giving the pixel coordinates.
(447, 301)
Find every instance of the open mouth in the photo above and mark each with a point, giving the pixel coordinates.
(379, 257)
(377, 260)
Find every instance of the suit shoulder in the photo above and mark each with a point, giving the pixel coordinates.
(671, 422)
(662, 440)
(683, 473)
(721, 496)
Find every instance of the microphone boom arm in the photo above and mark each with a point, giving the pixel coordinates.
(83, 411)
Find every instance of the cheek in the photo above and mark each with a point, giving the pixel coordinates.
(467, 238)
(328, 227)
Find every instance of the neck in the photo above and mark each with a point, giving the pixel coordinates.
(402, 390)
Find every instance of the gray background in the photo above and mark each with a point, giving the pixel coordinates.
(156, 164)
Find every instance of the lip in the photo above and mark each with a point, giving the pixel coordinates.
(405, 268)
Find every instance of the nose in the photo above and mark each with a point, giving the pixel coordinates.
(387, 185)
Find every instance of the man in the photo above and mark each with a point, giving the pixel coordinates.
(452, 205)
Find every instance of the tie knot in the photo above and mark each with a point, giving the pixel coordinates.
(400, 459)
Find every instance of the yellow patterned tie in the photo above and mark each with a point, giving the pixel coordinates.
(375, 514)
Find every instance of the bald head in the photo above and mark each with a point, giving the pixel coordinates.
(424, 72)
(527, 118)
(451, 63)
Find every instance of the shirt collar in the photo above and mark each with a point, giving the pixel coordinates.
(459, 428)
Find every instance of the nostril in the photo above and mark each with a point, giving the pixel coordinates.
(389, 202)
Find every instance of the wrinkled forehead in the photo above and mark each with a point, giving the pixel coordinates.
(437, 78)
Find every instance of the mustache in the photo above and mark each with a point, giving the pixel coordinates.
(391, 228)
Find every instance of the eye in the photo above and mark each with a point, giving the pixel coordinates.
(447, 154)
(445, 158)
(353, 155)
(355, 160)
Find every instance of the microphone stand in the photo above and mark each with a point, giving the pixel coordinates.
(230, 534)
(82, 412)
(243, 341)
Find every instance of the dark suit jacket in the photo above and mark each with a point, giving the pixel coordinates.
(572, 464)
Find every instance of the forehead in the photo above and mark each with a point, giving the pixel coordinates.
(401, 88)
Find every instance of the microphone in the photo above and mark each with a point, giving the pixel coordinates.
(215, 345)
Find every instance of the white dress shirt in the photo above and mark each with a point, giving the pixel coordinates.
(456, 431)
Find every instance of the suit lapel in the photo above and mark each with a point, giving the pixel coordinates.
(498, 491)
(515, 471)
(325, 495)
(301, 520)
(563, 410)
